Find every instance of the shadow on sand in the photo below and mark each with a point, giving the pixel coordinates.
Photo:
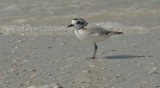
(122, 57)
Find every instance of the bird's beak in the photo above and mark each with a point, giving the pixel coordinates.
(70, 25)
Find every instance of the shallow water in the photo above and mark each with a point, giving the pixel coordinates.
(34, 16)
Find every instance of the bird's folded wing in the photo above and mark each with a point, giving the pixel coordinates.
(96, 30)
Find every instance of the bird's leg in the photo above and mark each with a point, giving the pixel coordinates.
(95, 50)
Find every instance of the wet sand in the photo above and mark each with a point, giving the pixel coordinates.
(125, 61)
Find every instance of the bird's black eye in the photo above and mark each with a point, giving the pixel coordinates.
(78, 22)
(81, 23)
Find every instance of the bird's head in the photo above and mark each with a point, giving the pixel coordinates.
(78, 23)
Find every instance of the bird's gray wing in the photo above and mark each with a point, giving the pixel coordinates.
(97, 30)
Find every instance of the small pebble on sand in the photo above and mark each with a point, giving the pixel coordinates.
(57, 85)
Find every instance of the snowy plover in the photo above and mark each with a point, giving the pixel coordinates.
(90, 33)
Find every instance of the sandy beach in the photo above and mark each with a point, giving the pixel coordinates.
(37, 50)
(126, 61)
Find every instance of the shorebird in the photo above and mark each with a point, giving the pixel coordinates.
(91, 33)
